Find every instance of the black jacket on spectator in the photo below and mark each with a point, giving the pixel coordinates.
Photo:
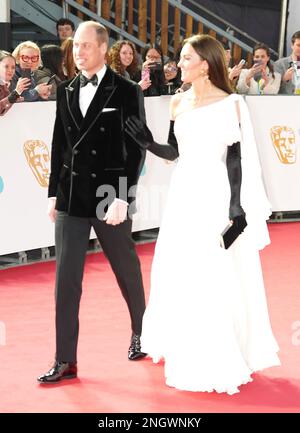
(42, 75)
(158, 86)
(29, 95)
(93, 151)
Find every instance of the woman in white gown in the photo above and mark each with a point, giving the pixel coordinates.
(207, 315)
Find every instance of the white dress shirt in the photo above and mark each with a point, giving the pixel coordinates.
(87, 93)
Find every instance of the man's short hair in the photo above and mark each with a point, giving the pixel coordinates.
(295, 36)
(63, 22)
(101, 31)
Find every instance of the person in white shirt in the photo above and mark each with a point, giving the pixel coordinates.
(95, 168)
(260, 79)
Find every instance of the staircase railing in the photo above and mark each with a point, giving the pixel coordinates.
(164, 21)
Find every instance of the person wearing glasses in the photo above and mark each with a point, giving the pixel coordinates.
(172, 76)
(28, 59)
(153, 70)
(7, 71)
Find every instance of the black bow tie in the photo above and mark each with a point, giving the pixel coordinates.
(84, 80)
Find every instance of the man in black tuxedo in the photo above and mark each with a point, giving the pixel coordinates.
(95, 167)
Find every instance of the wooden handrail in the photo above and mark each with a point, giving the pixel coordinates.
(172, 29)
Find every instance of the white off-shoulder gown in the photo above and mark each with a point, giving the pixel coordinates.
(207, 314)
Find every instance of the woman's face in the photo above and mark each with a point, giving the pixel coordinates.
(29, 58)
(190, 64)
(153, 55)
(170, 70)
(227, 57)
(126, 55)
(7, 69)
(261, 55)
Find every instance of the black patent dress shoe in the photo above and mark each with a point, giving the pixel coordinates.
(59, 371)
(134, 351)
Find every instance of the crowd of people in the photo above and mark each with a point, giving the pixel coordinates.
(31, 73)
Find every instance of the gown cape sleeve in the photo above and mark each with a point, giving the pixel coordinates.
(253, 196)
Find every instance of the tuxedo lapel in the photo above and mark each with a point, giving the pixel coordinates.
(72, 96)
(104, 92)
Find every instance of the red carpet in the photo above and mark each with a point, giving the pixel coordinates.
(107, 381)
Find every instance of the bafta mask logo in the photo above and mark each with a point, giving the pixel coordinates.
(38, 158)
(283, 139)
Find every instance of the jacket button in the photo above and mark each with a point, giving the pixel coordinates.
(102, 129)
(93, 175)
(76, 152)
(74, 173)
(93, 152)
(69, 128)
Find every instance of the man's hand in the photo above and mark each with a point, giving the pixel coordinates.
(51, 211)
(289, 73)
(139, 132)
(116, 213)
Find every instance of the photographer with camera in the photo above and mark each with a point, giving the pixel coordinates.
(261, 78)
(153, 70)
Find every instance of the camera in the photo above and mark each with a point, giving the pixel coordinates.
(258, 76)
(26, 73)
(155, 66)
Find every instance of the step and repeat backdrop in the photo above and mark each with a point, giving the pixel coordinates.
(25, 147)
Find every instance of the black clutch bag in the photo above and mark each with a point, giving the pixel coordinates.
(232, 231)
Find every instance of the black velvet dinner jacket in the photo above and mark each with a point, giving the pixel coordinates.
(94, 151)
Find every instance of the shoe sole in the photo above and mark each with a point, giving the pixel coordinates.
(140, 356)
(70, 376)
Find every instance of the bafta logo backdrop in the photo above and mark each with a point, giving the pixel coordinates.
(284, 143)
(38, 158)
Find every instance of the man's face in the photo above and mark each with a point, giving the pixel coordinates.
(283, 139)
(37, 155)
(89, 53)
(296, 48)
(65, 31)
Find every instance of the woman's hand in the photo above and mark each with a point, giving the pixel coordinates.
(22, 84)
(254, 70)
(235, 72)
(145, 83)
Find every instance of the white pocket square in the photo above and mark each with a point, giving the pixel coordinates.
(108, 109)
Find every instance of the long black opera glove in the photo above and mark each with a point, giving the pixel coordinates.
(234, 171)
(142, 135)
